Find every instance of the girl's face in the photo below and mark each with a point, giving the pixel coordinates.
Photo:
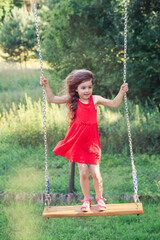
(85, 90)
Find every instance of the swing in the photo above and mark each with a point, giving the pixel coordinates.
(75, 211)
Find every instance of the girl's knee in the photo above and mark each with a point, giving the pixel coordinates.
(97, 177)
(84, 175)
(83, 171)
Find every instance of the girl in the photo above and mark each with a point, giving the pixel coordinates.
(81, 143)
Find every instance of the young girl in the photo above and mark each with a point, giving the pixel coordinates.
(81, 143)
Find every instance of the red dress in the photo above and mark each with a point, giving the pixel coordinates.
(81, 143)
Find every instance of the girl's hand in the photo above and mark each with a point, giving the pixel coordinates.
(124, 88)
(43, 81)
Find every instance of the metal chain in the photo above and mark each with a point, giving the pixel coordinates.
(134, 173)
(47, 194)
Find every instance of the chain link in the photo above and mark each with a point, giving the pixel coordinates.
(134, 173)
(47, 194)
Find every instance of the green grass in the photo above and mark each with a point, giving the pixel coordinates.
(22, 170)
(15, 83)
(23, 221)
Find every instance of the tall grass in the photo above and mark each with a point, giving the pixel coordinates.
(15, 82)
(145, 129)
(24, 125)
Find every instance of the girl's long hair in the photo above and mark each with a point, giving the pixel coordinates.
(72, 81)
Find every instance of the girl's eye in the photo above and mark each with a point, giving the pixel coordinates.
(90, 87)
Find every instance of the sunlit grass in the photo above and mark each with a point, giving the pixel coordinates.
(24, 124)
(109, 116)
(22, 221)
(25, 179)
(17, 80)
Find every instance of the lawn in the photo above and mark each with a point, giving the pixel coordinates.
(23, 221)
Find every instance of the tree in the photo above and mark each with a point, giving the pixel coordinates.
(144, 50)
(18, 35)
(89, 34)
(85, 34)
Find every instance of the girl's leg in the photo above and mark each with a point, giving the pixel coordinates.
(97, 179)
(84, 179)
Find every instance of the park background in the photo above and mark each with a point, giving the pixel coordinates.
(78, 34)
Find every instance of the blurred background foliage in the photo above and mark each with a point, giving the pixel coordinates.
(89, 34)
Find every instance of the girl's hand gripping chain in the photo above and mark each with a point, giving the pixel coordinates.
(43, 81)
(124, 88)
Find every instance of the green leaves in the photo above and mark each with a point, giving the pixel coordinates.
(18, 35)
(89, 34)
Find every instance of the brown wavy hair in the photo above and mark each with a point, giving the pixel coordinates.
(72, 81)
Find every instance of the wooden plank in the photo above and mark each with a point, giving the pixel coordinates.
(75, 211)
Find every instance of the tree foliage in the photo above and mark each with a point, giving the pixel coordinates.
(89, 34)
(6, 7)
(18, 35)
(144, 49)
(84, 34)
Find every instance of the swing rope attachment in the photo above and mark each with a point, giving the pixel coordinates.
(47, 193)
(134, 173)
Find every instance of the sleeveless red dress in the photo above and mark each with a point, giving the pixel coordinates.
(81, 143)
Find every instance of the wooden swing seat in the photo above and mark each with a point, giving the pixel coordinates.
(75, 211)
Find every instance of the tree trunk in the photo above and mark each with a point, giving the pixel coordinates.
(31, 5)
(24, 5)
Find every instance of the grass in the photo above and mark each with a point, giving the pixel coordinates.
(24, 124)
(22, 170)
(24, 221)
(17, 81)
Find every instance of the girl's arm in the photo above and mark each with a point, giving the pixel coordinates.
(49, 94)
(112, 103)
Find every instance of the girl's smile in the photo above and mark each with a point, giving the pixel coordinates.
(85, 90)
